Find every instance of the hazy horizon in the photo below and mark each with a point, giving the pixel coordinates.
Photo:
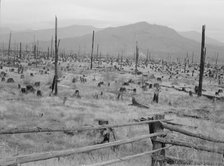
(180, 15)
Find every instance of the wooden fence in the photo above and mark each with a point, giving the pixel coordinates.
(157, 134)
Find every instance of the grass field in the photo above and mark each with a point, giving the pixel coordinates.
(19, 110)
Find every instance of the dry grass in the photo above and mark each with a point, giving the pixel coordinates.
(24, 111)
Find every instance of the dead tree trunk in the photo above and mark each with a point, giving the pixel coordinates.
(216, 61)
(216, 67)
(3, 48)
(121, 61)
(91, 58)
(192, 58)
(15, 51)
(147, 59)
(56, 57)
(26, 48)
(10, 36)
(48, 53)
(35, 53)
(52, 47)
(136, 58)
(20, 50)
(97, 53)
(202, 63)
(99, 62)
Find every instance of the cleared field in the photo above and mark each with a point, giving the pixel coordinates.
(18, 110)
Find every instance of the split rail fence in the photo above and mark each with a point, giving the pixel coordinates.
(157, 134)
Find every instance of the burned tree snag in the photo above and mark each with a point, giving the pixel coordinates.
(202, 63)
(91, 58)
(35, 53)
(20, 50)
(216, 61)
(97, 53)
(10, 36)
(121, 61)
(52, 47)
(56, 57)
(48, 53)
(147, 59)
(216, 66)
(136, 58)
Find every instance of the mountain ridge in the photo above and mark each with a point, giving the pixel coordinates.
(28, 36)
(196, 36)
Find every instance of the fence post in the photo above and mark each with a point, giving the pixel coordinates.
(153, 128)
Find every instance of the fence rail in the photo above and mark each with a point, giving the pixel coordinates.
(54, 154)
(46, 130)
(127, 157)
(156, 133)
(190, 145)
(188, 133)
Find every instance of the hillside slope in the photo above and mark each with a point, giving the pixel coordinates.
(46, 34)
(159, 40)
(196, 36)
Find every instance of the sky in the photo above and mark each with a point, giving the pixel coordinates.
(182, 15)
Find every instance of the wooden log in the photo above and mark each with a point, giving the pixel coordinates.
(194, 116)
(153, 128)
(189, 133)
(205, 95)
(190, 145)
(127, 157)
(177, 124)
(79, 129)
(62, 153)
(135, 103)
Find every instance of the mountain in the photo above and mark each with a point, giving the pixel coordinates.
(196, 36)
(46, 34)
(161, 41)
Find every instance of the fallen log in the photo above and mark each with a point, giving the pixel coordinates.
(135, 103)
(176, 124)
(179, 114)
(205, 95)
(194, 116)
